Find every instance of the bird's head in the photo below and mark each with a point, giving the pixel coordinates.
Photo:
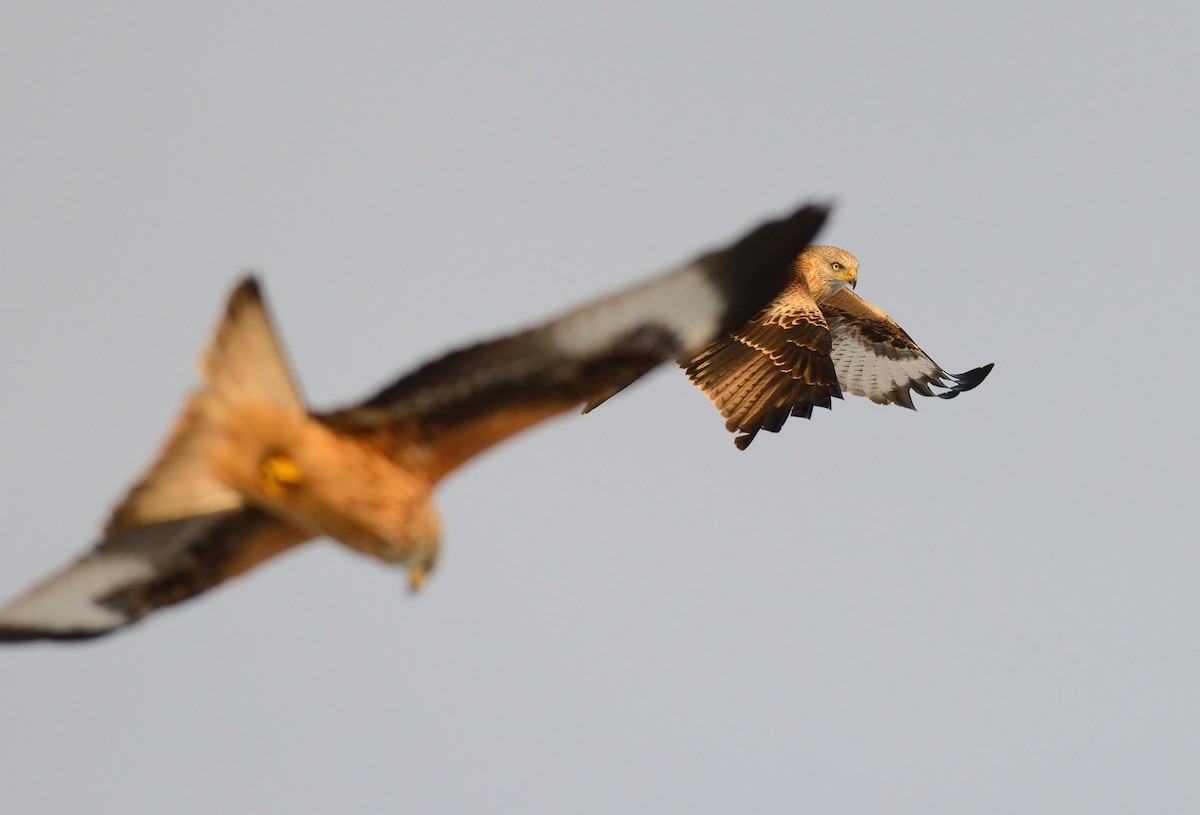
(827, 270)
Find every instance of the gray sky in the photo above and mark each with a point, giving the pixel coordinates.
(988, 606)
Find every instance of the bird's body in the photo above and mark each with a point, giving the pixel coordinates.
(374, 500)
(248, 472)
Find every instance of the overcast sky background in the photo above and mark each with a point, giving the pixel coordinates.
(988, 606)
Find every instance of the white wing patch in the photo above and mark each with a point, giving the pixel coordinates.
(887, 371)
(67, 602)
(686, 303)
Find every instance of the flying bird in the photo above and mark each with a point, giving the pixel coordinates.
(812, 342)
(248, 472)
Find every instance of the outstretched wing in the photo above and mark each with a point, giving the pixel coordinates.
(875, 358)
(180, 530)
(243, 363)
(454, 408)
(775, 366)
(136, 570)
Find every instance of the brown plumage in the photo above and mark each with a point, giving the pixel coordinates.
(816, 340)
(247, 472)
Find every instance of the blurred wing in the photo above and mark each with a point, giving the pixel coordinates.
(875, 358)
(136, 570)
(733, 270)
(180, 530)
(244, 362)
(775, 366)
(454, 408)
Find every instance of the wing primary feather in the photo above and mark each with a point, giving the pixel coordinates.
(972, 378)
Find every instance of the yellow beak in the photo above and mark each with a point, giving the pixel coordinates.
(850, 276)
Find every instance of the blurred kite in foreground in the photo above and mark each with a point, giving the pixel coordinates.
(248, 472)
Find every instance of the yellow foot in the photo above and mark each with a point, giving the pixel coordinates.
(277, 472)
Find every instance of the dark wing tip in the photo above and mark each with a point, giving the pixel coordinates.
(248, 289)
(966, 381)
(803, 410)
(974, 376)
(14, 634)
(753, 270)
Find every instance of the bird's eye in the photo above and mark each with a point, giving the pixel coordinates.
(837, 266)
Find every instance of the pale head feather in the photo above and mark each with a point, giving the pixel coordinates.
(826, 270)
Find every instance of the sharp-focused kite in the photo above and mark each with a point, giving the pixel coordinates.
(248, 472)
(815, 340)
